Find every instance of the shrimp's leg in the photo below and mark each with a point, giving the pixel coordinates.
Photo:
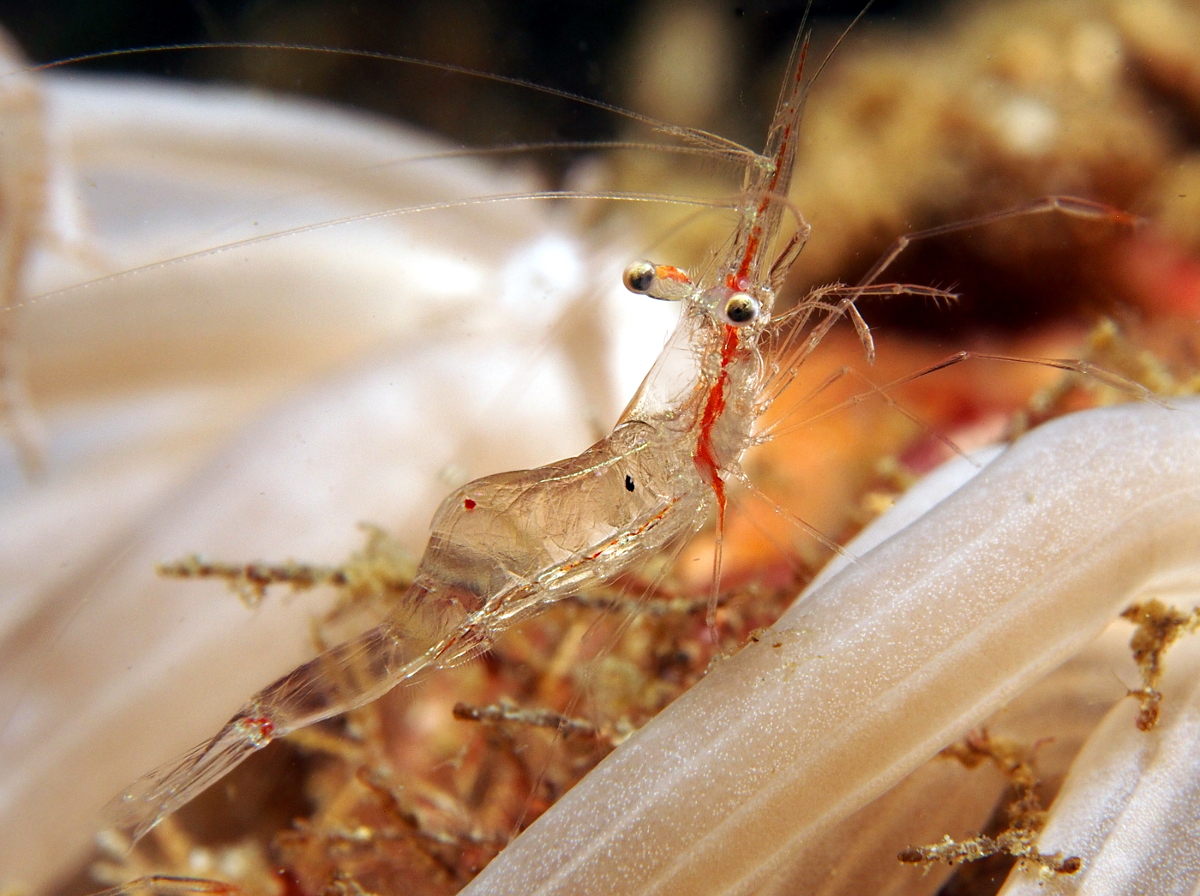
(874, 390)
(1070, 206)
(827, 542)
(420, 633)
(1079, 367)
(792, 356)
(1068, 365)
(1076, 366)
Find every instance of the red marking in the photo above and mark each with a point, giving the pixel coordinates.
(261, 726)
(669, 272)
(752, 242)
(803, 56)
(704, 457)
(1161, 275)
(785, 149)
(469, 504)
(595, 555)
(743, 271)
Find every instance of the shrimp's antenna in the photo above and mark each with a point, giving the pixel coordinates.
(730, 148)
(803, 87)
(394, 212)
(800, 50)
(836, 44)
(780, 142)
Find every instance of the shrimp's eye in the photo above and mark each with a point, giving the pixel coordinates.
(658, 281)
(639, 277)
(741, 309)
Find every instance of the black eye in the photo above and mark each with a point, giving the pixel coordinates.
(639, 277)
(741, 309)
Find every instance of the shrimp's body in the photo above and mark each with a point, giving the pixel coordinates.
(503, 546)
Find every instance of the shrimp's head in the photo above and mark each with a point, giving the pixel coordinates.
(712, 364)
(733, 302)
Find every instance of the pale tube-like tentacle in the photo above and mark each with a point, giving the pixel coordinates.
(858, 855)
(893, 658)
(1130, 807)
(945, 798)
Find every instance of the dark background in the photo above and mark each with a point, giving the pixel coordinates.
(577, 47)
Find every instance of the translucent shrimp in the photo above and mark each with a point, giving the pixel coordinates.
(504, 546)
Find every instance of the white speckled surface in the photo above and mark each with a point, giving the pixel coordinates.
(895, 657)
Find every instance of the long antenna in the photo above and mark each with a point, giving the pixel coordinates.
(836, 44)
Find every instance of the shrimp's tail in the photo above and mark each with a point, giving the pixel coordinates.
(412, 639)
